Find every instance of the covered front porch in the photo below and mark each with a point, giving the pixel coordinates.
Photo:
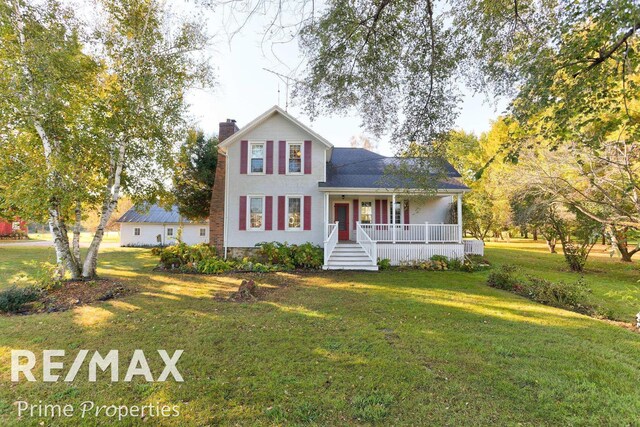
(361, 228)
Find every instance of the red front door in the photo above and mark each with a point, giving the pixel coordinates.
(341, 214)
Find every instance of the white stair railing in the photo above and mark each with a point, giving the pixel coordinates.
(368, 244)
(331, 241)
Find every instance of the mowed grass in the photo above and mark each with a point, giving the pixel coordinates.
(391, 348)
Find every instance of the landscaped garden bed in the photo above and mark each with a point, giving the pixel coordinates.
(60, 296)
(271, 257)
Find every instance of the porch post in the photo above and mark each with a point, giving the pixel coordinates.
(326, 216)
(393, 216)
(460, 218)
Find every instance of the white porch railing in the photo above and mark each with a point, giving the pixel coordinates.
(331, 241)
(368, 244)
(413, 233)
(474, 247)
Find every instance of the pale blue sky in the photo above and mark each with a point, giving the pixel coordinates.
(245, 90)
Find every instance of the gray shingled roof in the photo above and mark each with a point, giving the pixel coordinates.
(360, 168)
(155, 214)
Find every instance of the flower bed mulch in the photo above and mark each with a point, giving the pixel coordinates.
(72, 293)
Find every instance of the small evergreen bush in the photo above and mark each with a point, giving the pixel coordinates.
(384, 263)
(13, 299)
(503, 278)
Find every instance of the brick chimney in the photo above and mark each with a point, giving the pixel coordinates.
(216, 210)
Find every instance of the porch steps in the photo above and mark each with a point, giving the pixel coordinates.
(349, 256)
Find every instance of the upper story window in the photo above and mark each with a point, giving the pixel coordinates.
(294, 157)
(257, 158)
(366, 213)
(294, 213)
(136, 231)
(256, 213)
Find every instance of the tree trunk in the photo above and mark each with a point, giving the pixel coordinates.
(112, 195)
(64, 258)
(535, 234)
(76, 233)
(619, 240)
(551, 244)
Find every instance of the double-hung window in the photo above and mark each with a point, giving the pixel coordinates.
(170, 232)
(256, 212)
(203, 232)
(294, 156)
(397, 212)
(136, 231)
(257, 158)
(366, 213)
(294, 213)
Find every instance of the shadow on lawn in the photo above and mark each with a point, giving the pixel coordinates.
(331, 336)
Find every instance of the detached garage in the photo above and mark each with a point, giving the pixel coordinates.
(155, 226)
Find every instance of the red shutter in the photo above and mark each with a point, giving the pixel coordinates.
(307, 157)
(356, 205)
(269, 157)
(282, 157)
(385, 212)
(268, 214)
(307, 212)
(281, 213)
(242, 213)
(377, 218)
(406, 212)
(244, 152)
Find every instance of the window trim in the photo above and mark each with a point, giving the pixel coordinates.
(400, 212)
(167, 232)
(139, 229)
(255, 196)
(203, 232)
(371, 203)
(286, 206)
(264, 157)
(301, 144)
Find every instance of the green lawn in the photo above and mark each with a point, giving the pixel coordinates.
(85, 236)
(396, 348)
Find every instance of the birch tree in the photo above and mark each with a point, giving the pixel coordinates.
(83, 122)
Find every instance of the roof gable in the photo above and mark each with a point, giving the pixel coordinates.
(263, 118)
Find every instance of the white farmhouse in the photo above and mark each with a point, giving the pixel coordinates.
(278, 180)
(156, 226)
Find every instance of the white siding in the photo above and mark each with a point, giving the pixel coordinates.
(149, 233)
(276, 128)
(429, 209)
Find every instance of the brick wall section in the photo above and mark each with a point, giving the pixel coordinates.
(216, 210)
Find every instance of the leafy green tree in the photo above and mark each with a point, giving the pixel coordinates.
(195, 174)
(81, 123)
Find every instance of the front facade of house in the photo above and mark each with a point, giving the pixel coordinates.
(156, 226)
(278, 180)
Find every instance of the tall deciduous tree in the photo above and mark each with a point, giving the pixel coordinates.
(81, 123)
